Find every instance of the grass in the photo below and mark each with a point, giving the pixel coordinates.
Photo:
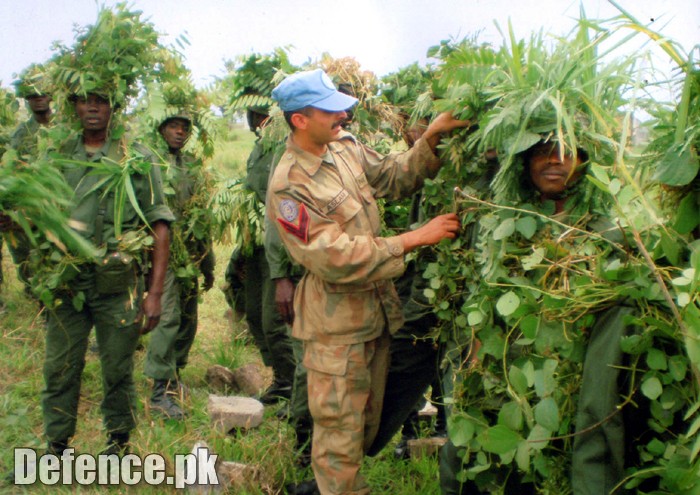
(219, 341)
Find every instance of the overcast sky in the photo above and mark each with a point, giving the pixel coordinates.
(382, 35)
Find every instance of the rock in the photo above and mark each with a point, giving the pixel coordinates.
(248, 379)
(226, 413)
(422, 447)
(221, 379)
(428, 410)
(238, 476)
(231, 477)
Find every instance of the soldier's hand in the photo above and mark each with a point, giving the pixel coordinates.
(149, 316)
(439, 228)
(208, 281)
(445, 122)
(284, 299)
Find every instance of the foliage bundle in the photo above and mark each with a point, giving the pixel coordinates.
(521, 291)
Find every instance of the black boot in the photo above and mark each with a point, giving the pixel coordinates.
(279, 390)
(163, 403)
(117, 444)
(308, 487)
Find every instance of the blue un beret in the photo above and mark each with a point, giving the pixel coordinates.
(311, 89)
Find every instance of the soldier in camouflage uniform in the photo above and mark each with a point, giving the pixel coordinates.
(264, 321)
(112, 289)
(321, 198)
(172, 339)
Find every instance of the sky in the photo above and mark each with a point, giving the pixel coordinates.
(382, 35)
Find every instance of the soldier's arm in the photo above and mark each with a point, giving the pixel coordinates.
(159, 264)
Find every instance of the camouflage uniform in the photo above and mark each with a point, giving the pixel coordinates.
(172, 339)
(112, 300)
(345, 304)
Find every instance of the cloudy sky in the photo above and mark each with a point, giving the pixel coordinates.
(382, 35)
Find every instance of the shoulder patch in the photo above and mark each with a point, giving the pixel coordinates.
(289, 210)
(299, 225)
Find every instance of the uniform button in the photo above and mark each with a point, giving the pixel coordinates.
(289, 156)
(396, 250)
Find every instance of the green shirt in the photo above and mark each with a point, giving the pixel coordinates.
(91, 203)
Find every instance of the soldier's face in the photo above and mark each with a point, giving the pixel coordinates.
(551, 173)
(39, 103)
(324, 127)
(94, 112)
(176, 132)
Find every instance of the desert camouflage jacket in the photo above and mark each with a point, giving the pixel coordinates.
(325, 211)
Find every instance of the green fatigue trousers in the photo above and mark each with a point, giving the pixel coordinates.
(300, 417)
(269, 332)
(117, 333)
(414, 366)
(346, 388)
(598, 459)
(172, 339)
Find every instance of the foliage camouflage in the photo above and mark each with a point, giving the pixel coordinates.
(522, 297)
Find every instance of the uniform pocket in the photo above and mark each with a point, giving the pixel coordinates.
(326, 358)
(115, 273)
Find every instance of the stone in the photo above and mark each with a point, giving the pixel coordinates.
(248, 379)
(226, 413)
(423, 447)
(221, 379)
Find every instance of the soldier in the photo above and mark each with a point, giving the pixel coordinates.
(112, 289)
(32, 87)
(264, 321)
(172, 339)
(321, 198)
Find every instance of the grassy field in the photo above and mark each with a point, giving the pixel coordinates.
(219, 341)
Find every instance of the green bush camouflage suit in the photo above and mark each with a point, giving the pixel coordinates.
(264, 322)
(345, 305)
(112, 298)
(172, 339)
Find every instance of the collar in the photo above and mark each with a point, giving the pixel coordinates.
(310, 162)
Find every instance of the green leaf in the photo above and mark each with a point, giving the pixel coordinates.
(687, 218)
(518, 380)
(522, 456)
(678, 367)
(504, 230)
(652, 388)
(475, 318)
(656, 359)
(507, 303)
(547, 414)
(538, 437)
(678, 166)
(529, 325)
(511, 416)
(461, 430)
(498, 439)
(527, 226)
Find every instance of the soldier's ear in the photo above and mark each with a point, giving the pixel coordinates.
(299, 120)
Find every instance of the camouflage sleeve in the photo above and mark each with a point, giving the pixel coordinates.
(398, 175)
(318, 243)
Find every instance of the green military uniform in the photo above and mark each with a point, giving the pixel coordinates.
(269, 331)
(172, 339)
(113, 294)
(345, 304)
(300, 417)
(415, 356)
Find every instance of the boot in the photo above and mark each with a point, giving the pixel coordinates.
(162, 402)
(117, 444)
(279, 390)
(308, 487)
